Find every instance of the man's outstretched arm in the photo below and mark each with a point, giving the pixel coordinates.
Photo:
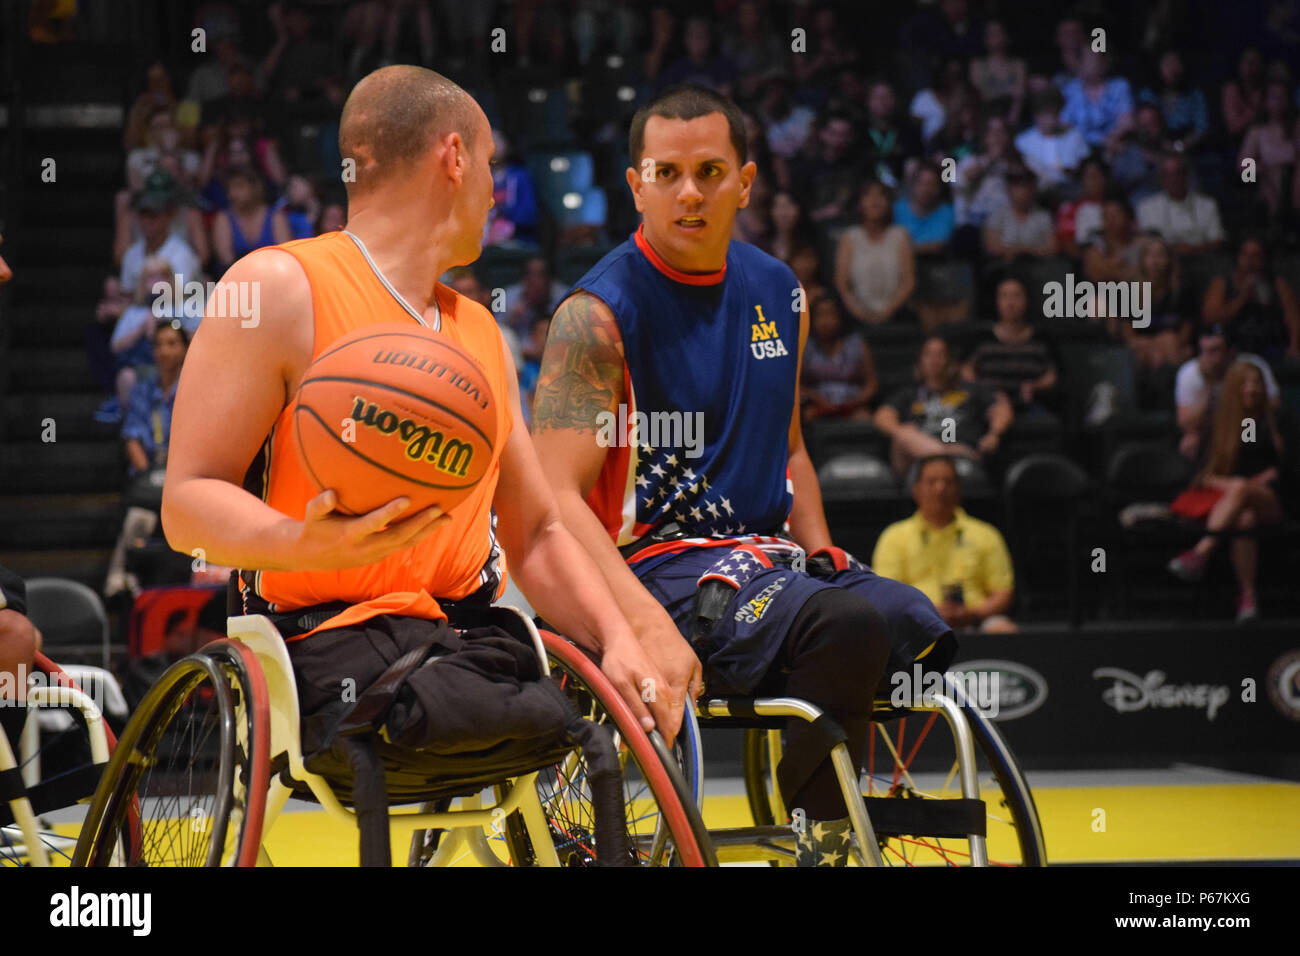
(582, 375)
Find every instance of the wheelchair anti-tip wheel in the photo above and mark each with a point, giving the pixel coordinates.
(194, 763)
(663, 824)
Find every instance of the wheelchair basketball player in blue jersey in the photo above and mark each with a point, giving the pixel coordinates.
(667, 419)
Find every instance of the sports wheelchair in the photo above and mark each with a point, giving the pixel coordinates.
(63, 744)
(213, 753)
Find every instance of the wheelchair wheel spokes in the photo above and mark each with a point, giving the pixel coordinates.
(194, 761)
(655, 820)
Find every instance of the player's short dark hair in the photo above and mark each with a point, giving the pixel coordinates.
(687, 102)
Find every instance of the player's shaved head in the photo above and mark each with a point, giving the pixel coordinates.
(394, 115)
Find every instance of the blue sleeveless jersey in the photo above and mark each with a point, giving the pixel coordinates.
(702, 437)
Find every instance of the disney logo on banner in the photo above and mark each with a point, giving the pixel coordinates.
(1129, 692)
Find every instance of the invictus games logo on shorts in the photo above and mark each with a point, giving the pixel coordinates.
(1129, 692)
(1283, 684)
(684, 430)
(757, 606)
(450, 455)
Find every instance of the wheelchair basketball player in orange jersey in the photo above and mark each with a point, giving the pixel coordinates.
(349, 593)
(715, 532)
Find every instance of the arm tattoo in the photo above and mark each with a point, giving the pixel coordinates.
(582, 367)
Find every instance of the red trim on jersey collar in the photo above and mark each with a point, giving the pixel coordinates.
(686, 278)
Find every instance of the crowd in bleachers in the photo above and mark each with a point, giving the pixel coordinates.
(928, 171)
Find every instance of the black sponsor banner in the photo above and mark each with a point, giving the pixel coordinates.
(1181, 694)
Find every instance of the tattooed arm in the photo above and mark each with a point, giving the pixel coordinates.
(582, 375)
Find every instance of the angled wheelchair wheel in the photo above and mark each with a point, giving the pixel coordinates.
(59, 745)
(194, 763)
(911, 782)
(662, 822)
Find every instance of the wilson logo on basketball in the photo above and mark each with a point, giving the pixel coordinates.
(431, 366)
(449, 455)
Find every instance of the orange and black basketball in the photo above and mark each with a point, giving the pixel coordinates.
(391, 410)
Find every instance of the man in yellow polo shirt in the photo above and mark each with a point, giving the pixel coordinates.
(959, 562)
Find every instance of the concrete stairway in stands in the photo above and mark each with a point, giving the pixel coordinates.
(60, 501)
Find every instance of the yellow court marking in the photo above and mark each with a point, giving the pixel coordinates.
(1142, 823)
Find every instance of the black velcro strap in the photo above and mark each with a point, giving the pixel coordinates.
(57, 793)
(11, 785)
(909, 816)
(741, 707)
(828, 731)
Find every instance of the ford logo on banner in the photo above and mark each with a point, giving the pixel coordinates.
(1021, 690)
(1129, 692)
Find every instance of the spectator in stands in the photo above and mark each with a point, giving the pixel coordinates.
(297, 64)
(162, 137)
(1012, 357)
(806, 265)
(210, 80)
(1197, 386)
(791, 229)
(300, 205)
(1242, 99)
(1242, 483)
(241, 98)
(789, 124)
(1071, 44)
(663, 26)
(959, 562)
(157, 94)
(155, 206)
(981, 179)
(829, 50)
(1100, 109)
(1049, 149)
(1020, 228)
(536, 293)
(701, 64)
(1273, 144)
(1258, 306)
(875, 271)
(941, 415)
(754, 47)
(514, 216)
(753, 224)
(146, 433)
(1135, 163)
(333, 217)
(531, 367)
(827, 173)
(132, 340)
(1114, 254)
(775, 171)
(1000, 78)
(891, 143)
(466, 282)
(235, 144)
(1166, 340)
(926, 213)
(1182, 106)
(1078, 221)
(249, 222)
(935, 107)
(839, 377)
(168, 168)
(1189, 220)
(103, 364)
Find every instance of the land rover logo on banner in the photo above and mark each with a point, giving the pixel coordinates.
(1283, 684)
(1021, 689)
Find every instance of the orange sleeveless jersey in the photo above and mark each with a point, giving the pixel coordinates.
(348, 292)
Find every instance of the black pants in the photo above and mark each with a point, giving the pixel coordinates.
(834, 653)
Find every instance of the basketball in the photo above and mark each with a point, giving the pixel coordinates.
(392, 410)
